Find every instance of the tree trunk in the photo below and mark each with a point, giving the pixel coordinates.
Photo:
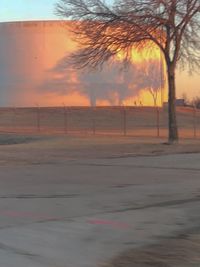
(172, 123)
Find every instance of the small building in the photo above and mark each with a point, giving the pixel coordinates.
(180, 102)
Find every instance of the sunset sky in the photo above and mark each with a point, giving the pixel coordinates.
(19, 10)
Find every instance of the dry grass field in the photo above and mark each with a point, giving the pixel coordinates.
(132, 121)
(29, 149)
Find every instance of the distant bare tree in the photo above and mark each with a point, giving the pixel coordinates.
(150, 78)
(105, 30)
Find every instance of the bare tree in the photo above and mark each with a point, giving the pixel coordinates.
(104, 30)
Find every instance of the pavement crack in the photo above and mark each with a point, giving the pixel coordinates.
(137, 166)
(35, 258)
(17, 251)
(162, 204)
(32, 196)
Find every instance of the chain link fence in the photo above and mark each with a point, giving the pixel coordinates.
(127, 121)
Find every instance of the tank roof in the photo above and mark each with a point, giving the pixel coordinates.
(34, 23)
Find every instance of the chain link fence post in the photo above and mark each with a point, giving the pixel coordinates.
(65, 118)
(124, 111)
(94, 120)
(158, 121)
(194, 121)
(38, 118)
(14, 118)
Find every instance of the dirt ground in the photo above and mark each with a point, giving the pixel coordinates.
(182, 251)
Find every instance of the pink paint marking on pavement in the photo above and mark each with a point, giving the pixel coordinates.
(114, 224)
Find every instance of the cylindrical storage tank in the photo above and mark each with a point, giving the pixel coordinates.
(31, 72)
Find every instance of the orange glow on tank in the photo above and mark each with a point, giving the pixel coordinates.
(144, 98)
(39, 46)
(139, 56)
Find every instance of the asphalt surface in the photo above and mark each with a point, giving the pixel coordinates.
(82, 212)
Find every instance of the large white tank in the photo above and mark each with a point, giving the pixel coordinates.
(31, 73)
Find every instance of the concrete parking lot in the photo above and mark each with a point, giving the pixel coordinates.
(81, 211)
